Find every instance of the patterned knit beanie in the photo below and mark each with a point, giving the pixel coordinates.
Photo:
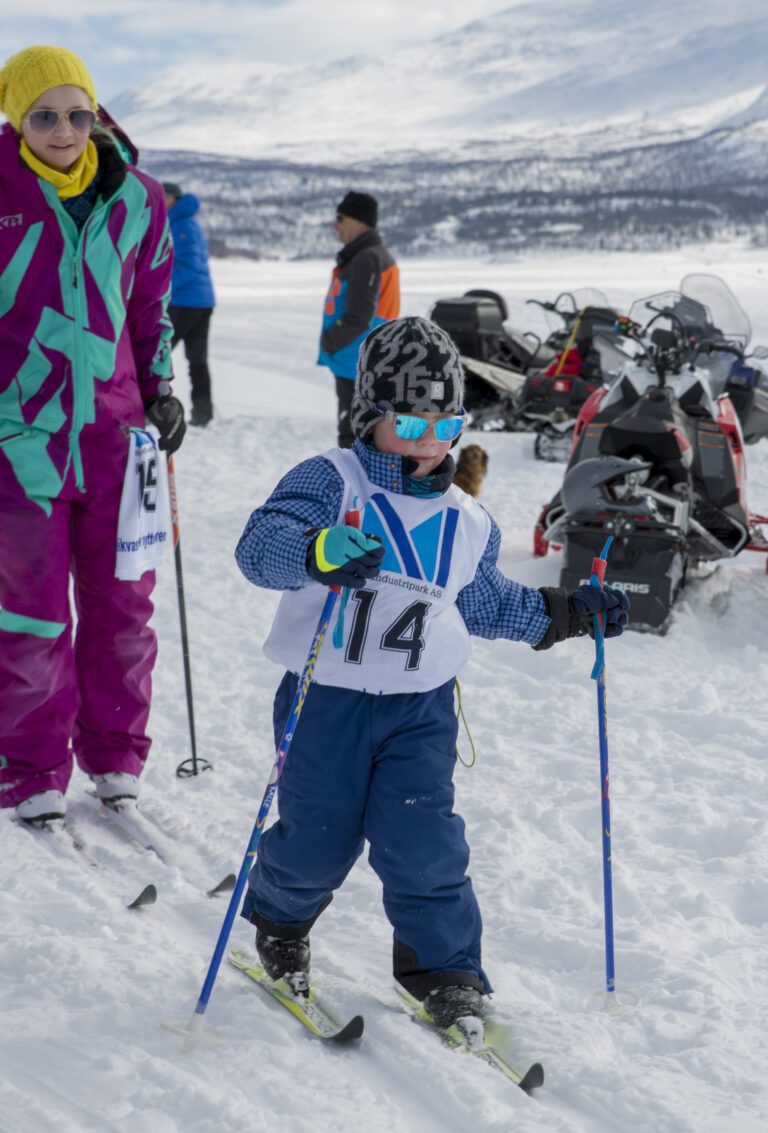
(409, 365)
(34, 70)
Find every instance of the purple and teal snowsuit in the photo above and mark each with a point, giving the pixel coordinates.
(84, 346)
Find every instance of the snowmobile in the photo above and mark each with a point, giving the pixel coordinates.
(494, 355)
(747, 387)
(657, 462)
(517, 381)
(551, 398)
(719, 333)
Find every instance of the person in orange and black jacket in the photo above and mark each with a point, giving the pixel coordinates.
(364, 292)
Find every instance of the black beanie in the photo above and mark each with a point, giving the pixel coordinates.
(360, 206)
(173, 190)
(409, 365)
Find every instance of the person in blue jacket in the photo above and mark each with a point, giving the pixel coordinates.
(192, 298)
(373, 754)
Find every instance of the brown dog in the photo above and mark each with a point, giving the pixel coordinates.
(471, 468)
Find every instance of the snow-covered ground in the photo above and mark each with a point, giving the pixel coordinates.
(86, 984)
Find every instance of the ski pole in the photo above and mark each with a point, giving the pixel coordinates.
(196, 1022)
(597, 579)
(598, 673)
(188, 767)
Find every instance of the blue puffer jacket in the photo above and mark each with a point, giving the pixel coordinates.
(191, 284)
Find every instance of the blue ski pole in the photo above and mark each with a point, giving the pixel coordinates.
(196, 1022)
(597, 579)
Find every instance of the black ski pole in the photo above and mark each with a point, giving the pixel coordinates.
(188, 767)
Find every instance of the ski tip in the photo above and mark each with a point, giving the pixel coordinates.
(533, 1078)
(148, 896)
(352, 1031)
(226, 885)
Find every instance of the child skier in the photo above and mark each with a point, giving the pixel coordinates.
(373, 754)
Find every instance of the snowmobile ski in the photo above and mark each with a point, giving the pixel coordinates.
(486, 1049)
(309, 1010)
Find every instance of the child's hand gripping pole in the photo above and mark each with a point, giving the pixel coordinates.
(613, 998)
(192, 1029)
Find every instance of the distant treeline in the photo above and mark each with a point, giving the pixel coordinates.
(715, 187)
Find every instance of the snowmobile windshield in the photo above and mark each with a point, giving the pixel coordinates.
(614, 352)
(686, 315)
(589, 297)
(726, 313)
(569, 303)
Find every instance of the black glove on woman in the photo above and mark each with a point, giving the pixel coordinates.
(166, 413)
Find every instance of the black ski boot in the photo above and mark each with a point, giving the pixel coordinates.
(285, 959)
(459, 1006)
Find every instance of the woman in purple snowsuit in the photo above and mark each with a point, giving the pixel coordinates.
(85, 269)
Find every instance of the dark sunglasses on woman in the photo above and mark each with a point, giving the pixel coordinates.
(44, 121)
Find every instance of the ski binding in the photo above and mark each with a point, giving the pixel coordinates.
(308, 1008)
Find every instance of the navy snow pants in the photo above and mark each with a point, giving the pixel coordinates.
(379, 768)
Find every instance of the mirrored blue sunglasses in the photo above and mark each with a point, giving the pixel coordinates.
(410, 428)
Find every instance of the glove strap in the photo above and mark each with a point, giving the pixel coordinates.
(338, 629)
(320, 559)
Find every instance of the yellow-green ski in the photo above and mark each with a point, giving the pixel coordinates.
(487, 1050)
(309, 1010)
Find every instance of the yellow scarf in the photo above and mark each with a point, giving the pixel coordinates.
(70, 184)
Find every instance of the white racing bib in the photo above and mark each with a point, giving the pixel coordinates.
(402, 630)
(144, 526)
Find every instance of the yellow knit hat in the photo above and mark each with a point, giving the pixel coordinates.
(34, 70)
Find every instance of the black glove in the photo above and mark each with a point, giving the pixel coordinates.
(571, 614)
(343, 556)
(610, 601)
(166, 413)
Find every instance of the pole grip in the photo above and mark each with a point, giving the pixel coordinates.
(174, 502)
(597, 579)
(598, 569)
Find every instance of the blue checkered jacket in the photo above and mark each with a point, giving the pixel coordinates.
(272, 551)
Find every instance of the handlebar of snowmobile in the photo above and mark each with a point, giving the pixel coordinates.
(547, 305)
(720, 347)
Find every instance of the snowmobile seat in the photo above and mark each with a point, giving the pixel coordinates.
(473, 322)
(649, 439)
(482, 293)
(592, 318)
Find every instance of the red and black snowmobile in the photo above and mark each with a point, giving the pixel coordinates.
(516, 380)
(657, 462)
(551, 398)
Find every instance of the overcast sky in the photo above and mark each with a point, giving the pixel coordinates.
(125, 44)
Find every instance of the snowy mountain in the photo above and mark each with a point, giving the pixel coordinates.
(600, 124)
(550, 68)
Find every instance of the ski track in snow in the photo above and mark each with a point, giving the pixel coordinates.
(87, 983)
